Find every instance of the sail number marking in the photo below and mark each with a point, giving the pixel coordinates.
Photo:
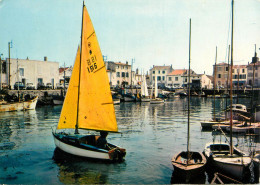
(92, 65)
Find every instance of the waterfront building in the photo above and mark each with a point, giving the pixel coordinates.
(179, 78)
(222, 70)
(119, 73)
(160, 72)
(65, 71)
(175, 78)
(29, 71)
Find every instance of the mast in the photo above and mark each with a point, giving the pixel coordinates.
(231, 84)
(77, 124)
(227, 79)
(214, 94)
(188, 134)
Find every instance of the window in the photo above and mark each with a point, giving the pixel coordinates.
(126, 74)
(163, 78)
(186, 80)
(243, 70)
(123, 74)
(233, 71)
(40, 80)
(21, 71)
(118, 67)
(118, 82)
(163, 72)
(153, 72)
(126, 67)
(176, 78)
(170, 78)
(219, 68)
(238, 70)
(118, 74)
(226, 68)
(219, 75)
(158, 78)
(122, 67)
(153, 78)
(4, 67)
(159, 72)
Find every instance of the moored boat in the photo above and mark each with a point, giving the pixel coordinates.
(193, 166)
(219, 158)
(88, 103)
(189, 164)
(18, 106)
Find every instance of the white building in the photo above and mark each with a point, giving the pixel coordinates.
(29, 71)
(179, 78)
(160, 72)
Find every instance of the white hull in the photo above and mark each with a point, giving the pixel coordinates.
(156, 101)
(233, 166)
(81, 152)
(145, 99)
(18, 106)
(209, 124)
(116, 101)
(223, 162)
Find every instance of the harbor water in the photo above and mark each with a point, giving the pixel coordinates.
(151, 134)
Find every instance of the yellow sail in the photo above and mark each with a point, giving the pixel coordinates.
(95, 108)
(68, 115)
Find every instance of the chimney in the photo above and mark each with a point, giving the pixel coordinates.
(126, 62)
(45, 58)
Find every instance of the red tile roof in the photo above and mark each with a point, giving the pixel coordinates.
(178, 72)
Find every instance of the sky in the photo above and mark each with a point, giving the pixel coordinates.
(152, 32)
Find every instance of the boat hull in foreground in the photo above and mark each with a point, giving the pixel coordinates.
(193, 169)
(219, 159)
(82, 146)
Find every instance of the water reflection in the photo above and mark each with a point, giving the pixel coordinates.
(151, 134)
(76, 170)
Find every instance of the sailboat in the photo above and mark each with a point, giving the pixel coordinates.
(189, 164)
(144, 91)
(224, 157)
(88, 104)
(155, 99)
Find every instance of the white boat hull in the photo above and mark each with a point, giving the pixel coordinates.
(18, 106)
(84, 146)
(80, 152)
(145, 99)
(156, 101)
(235, 165)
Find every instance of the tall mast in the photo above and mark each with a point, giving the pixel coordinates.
(188, 134)
(77, 123)
(227, 79)
(214, 94)
(231, 84)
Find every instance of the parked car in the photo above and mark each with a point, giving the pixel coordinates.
(41, 86)
(49, 86)
(59, 86)
(30, 86)
(19, 85)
